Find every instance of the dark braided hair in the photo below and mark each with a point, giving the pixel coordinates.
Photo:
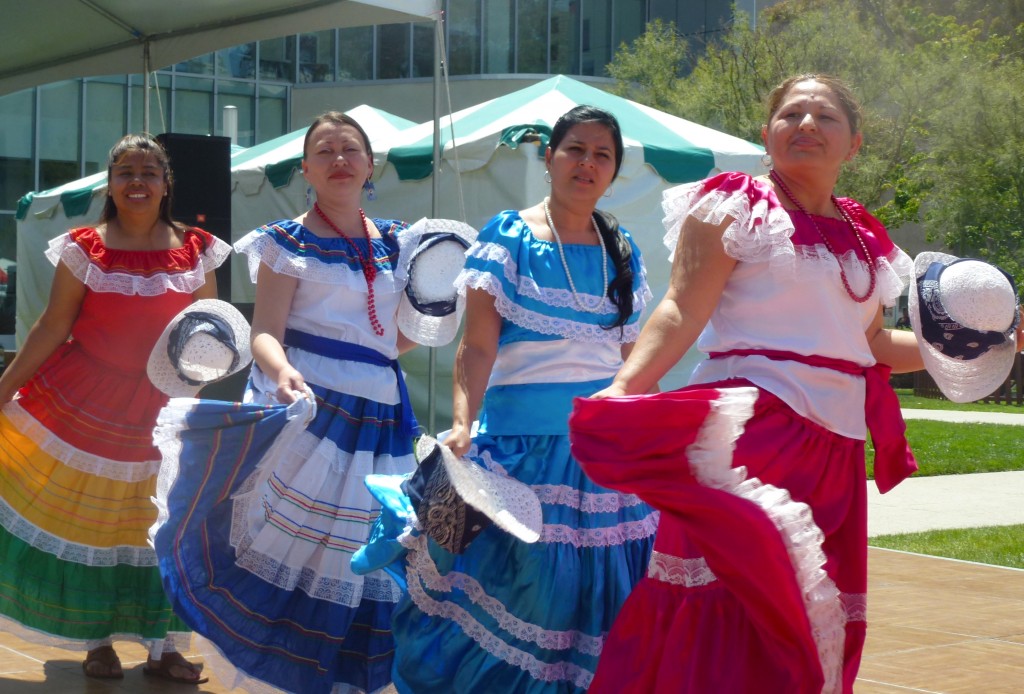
(620, 288)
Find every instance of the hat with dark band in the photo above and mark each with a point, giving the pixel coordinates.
(965, 314)
(433, 253)
(204, 343)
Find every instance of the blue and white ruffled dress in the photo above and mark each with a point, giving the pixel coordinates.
(261, 511)
(505, 615)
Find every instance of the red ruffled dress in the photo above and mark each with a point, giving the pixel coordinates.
(758, 578)
(78, 468)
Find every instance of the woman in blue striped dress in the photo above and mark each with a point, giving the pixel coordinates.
(263, 516)
(554, 294)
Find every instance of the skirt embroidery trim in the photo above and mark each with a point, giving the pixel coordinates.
(421, 571)
(711, 464)
(691, 573)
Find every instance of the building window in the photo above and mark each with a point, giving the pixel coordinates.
(272, 108)
(463, 37)
(193, 106)
(565, 37)
(241, 95)
(159, 104)
(393, 51)
(60, 110)
(423, 50)
(277, 59)
(316, 56)
(499, 36)
(17, 113)
(237, 61)
(355, 54)
(532, 36)
(105, 104)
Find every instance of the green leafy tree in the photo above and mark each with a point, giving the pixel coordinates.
(941, 83)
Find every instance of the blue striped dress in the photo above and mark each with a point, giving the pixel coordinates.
(261, 508)
(505, 615)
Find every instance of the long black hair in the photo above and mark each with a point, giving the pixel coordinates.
(620, 288)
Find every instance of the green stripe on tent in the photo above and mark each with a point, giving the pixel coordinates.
(23, 205)
(280, 172)
(674, 158)
(76, 202)
(511, 137)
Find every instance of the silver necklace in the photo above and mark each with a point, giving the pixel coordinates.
(565, 265)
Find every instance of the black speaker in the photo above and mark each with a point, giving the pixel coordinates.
(201, 166)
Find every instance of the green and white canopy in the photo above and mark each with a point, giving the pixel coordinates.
(677, 149)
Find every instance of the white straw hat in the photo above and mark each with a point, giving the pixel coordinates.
(964, 313)
(489, 496)
(207, 341)
(433, 252)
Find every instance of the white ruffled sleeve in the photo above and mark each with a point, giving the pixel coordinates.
(760, 230)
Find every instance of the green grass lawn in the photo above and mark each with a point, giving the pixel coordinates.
(909, 400)
(999, 545)
(947, 448)
(944, 448)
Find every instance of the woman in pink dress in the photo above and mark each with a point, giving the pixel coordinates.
(77, 463)
(759, 576)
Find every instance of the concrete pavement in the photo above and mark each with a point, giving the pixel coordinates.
(950, 501)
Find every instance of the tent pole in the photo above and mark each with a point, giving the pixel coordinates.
(145, 90)
(435, 196)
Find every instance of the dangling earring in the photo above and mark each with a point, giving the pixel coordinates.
(547, 176)
(607, 193)
(309, 196)
(371, 191)
(766, 160)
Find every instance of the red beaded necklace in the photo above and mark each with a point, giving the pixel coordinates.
(872, 273)
(369, 269)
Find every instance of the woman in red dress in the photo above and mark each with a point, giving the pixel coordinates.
(758, 580)
(77, 463)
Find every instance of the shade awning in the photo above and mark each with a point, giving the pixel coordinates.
(51, 40)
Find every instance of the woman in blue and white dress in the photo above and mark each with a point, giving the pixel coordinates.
(554, 295)
(261, 520)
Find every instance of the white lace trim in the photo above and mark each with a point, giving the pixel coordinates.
(260, 247)
(855, 605)
(602, 537)
(588, 502)
(678, 571)
(316, 585)
(710, 458)
(758, 234)
(76, 458)
(63, 248)
(73, 552)
(539, 322)
(552, 296)
(420, 571)
(179, 641)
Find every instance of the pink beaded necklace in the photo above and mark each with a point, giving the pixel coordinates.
(872, 273)
(369, 269)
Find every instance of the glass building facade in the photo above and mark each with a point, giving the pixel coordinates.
(56, 133)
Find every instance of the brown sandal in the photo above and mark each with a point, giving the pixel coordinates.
(168, 663)
(103, 664)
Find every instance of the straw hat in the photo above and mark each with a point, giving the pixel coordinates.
(207, 341)
(964, 313)
(455, 499)
(433, 253)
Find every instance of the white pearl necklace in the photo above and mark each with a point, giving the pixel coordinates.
(568, 275)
